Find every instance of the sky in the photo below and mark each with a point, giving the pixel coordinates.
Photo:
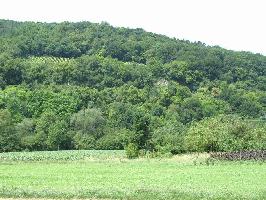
(232, 24)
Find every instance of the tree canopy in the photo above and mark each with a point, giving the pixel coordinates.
(93, 86)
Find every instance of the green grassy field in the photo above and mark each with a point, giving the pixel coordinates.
(114, 177)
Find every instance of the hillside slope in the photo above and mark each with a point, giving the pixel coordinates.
(92, 86)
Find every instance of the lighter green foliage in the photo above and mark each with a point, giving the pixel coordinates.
(176, 178)
(52, 156)
(226, 133)
(45, 59)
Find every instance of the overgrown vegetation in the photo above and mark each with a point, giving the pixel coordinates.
(59, 156)
(259, 155)
(92, 86)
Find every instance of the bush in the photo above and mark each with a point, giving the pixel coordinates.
(26, 132)
(169, 138)
(132, 151)
(84, 141)
(115, 139)
(226, 133)
(9, 140)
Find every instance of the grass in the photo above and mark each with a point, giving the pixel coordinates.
(180, 177)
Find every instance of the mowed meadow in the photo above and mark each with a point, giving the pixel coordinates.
(110, 175)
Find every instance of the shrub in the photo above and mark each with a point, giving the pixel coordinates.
(115, 139)
(132, 151)
(84, 141)
(169, 138)
(226, 133)
(26, 132)
(8, 138)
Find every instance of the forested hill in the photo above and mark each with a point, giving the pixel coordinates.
(92, 86)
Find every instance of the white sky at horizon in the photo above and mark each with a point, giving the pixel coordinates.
(232, 24)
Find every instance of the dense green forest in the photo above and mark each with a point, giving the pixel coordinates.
(93, 86)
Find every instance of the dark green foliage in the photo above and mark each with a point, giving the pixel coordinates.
(86, 126)
(8, 137)
(26, 133)
(115, 139)
(93, 86)
(169, 138)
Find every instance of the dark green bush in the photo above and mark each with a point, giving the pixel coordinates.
(169, 138)
(9, 140)
(115, 139)
(84, 141)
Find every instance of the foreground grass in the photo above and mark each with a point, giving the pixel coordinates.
(182, 177)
